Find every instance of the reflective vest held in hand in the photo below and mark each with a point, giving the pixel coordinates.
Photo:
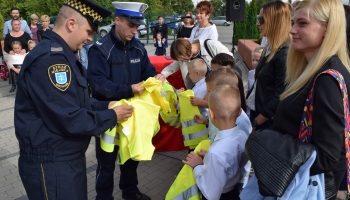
(171, 118)
(192, 132)
(134, 136)
(184, 187)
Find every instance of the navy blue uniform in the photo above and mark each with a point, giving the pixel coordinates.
(54, 121)
(113, 68)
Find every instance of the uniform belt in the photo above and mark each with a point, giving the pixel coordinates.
(46, 155)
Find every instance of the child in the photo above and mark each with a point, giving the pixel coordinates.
(160, 45)
(220, 170)
(224, 59)
(197, 69)
(14, 63)
(225, 75)
(256, 54)
(31, 45)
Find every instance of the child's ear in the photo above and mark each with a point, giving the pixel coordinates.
(211, 113)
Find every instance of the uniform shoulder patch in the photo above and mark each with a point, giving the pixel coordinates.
(60, 76)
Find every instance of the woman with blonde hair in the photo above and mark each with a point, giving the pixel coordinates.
(263, 99)
(319, 44)
(186, 29)
(34, 27)
(45, 21)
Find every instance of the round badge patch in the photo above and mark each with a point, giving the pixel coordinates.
(60, 76)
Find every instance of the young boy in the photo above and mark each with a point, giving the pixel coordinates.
(224, 59)
(31, 45)
(225, 75)
(196, 72)
(220, 170)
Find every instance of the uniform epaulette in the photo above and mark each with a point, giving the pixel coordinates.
(101, 41)
(56, 48)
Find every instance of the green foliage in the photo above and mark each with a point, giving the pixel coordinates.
(290, 1)
(219, 7)
(247, 29)
(1, 25)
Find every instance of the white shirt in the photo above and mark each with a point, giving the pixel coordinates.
(209, 32)
(215, 47)
(223, 162)
(243, 123)
(200, 90)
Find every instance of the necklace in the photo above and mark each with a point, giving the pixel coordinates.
(195, 35)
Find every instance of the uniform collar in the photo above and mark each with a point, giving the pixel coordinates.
(118, 41)
(54, 37)
(226, 133)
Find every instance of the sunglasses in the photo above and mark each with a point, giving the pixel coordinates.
(260, 19)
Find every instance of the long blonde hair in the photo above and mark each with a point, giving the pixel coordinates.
(299, 71)
(277, 18)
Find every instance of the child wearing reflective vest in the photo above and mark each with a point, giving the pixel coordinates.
(226, 75)
(218, 170)
(192, 132)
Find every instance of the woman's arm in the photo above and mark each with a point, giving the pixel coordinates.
(328, 124)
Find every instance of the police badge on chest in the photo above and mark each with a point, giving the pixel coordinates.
(60, 76)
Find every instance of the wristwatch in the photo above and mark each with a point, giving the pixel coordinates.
(254, 123)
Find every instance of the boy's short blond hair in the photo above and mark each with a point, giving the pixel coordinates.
(225, 101)
(45, 18)
(199, 65)
(222, 75)
(31, 42)
(258, 50)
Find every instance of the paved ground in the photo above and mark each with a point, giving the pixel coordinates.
(155, 177)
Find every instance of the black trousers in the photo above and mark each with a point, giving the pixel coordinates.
(55, 180)
(105, 174)
(231, 195)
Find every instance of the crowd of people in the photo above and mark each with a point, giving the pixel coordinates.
(291, 127)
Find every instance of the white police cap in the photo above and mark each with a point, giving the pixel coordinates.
(132, 11)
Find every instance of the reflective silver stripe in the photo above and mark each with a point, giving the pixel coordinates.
(170, 120)
(109, 139)
(190, 192)
(195, 135)
(177, 122)
(188, 123)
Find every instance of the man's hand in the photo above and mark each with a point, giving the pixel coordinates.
(163, 40)
(195, 101)
(123, 112)
(160, 77)
(136, 89)
(200, 119)
(193, 160)
(202, 153)
(111, 103)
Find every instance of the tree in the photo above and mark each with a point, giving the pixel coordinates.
(219, 7)
(1, 26)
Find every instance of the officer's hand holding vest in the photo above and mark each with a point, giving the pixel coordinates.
(123, 112)
(136, 89)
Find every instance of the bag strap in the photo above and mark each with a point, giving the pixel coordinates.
(305, 131)
(207, 48)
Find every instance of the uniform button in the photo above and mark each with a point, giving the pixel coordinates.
(314, 183)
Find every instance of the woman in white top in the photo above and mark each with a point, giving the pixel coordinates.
(204, 30)
(182, 51)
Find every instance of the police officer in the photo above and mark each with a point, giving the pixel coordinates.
(118, 63)
(54, 115)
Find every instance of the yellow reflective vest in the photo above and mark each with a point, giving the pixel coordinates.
(134, 136)
(192, 132)
(171, 118)
(184, 187)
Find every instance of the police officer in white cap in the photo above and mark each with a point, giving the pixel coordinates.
(118, 63)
